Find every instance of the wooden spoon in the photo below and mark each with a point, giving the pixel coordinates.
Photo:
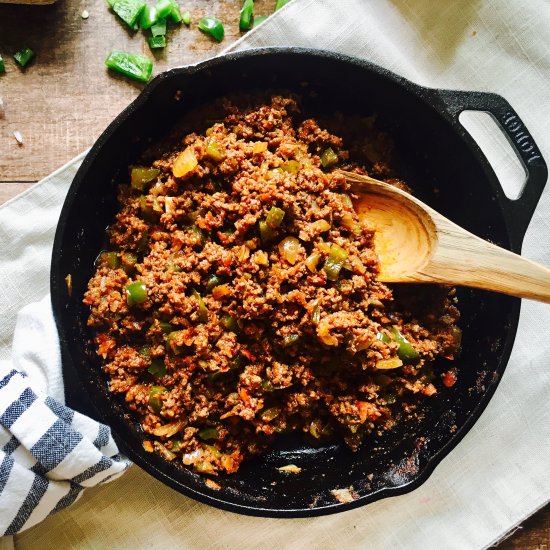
(418, 245)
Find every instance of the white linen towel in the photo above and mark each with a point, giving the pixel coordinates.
(48, 453)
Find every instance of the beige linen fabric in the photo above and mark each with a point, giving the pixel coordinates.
(498, 475)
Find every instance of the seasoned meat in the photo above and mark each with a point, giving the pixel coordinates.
(238, 298)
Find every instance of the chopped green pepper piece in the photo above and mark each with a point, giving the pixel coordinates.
(145, 351)
(112, 259)
(406, 352)
(186, 18)
(245, 22)
(148, 17)
(335, 261)
(316, 315)
(275, 217)
(270, 414)
(165, 327)
(177, 444)
(159, 28)
(266, 233)
(2, 65)
(175, 14)
(129, 261)
(212, 26)
(230, 323)
(329, 158)
(280, 4)
(155, 401)
(156, 42)
(290, 339)
(214, 281)
(129, 11)
(23, 56)
(142, 175)
(131, 65)
(259, 19)
(171, 342)
(147, 211)
(136, 293)
(157, 368)
(164, 8)
(383, 337)
(209, 433)
(214, 152)
(291, 166)
(203, 310)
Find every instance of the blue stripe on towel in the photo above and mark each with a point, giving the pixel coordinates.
(37, 491)
(18, 407)
(55, 445)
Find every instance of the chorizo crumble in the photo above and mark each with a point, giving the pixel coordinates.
(238, 296)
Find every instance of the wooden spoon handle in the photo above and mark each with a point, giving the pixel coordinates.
(462, 258)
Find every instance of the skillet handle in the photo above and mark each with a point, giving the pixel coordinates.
(519, 211)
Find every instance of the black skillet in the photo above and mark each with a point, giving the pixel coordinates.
(446, 169)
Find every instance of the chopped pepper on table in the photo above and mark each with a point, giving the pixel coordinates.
(156, 42)
(23, 56)
(245, 21)
(129, 11)
(212, 26)
(131, 65)
(2, 65)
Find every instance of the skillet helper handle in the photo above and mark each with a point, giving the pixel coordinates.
(519, 211)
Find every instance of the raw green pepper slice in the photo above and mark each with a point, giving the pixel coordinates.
(155, 401)
(280, 4)
(213, 27)
(275, 217)
(2, 65)
(129, 11)
(203, 310)
(159, 28)
(148, 17)
(23, 56)
(335, 261)
(175, 14)
(406, 352)
(157, 368)
(186, 18)
(156, 42)
(329, 158)
(136, 293)
(141, 176)
(245, 21)
(131, 65)
(164, 8)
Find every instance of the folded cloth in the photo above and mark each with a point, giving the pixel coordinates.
(49, 453)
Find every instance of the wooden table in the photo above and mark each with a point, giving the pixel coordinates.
(66, 97)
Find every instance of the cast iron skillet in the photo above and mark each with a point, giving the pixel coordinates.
(446, 169)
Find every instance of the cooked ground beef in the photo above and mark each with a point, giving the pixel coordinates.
(238, 298)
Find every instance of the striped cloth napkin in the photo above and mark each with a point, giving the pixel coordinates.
(49, 453)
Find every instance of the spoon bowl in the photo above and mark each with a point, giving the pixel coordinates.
(416, 244)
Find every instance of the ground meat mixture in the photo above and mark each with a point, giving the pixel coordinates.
(238, 297)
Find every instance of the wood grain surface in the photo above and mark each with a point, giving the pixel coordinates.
(65, 98)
